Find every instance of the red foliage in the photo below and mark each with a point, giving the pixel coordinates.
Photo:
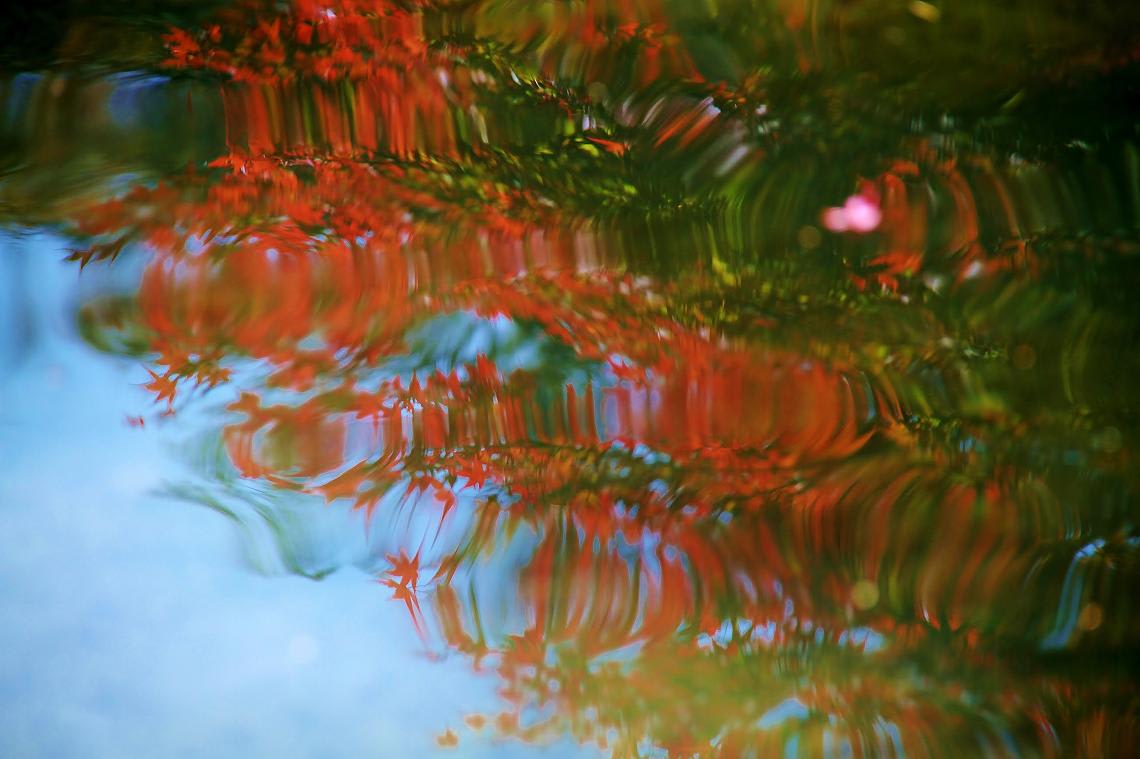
(694, 501)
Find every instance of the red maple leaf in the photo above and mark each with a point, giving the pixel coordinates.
(163, 386)
(404, 568)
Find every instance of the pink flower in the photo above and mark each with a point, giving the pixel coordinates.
(860, 214)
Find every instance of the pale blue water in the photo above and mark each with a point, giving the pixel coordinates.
(135, 625)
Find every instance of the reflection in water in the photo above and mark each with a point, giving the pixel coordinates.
(706, 376)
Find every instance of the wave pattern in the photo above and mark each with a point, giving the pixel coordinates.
(553, 298)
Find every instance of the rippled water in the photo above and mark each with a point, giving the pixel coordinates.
(708, 378)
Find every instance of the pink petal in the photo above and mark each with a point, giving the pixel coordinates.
(862, 214)
(835, 219)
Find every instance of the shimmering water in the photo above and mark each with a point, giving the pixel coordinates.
(714, 378)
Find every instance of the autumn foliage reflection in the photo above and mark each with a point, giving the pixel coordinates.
(733, 544)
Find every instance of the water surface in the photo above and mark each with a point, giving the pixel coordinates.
(618, 376)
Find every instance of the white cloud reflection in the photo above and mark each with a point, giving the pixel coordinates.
(131, 626)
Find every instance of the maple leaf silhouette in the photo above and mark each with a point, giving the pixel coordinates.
(164, 386)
